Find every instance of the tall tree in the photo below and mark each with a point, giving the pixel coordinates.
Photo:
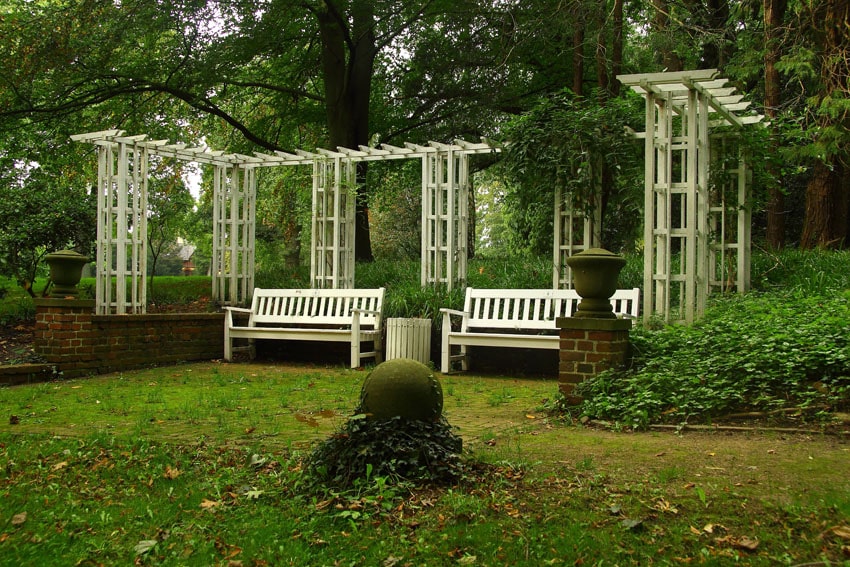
(774, 15)
(827, 24)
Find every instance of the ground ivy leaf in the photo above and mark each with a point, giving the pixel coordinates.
(253, 494)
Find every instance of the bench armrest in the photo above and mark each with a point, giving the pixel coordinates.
(457, 312)
(238, 309)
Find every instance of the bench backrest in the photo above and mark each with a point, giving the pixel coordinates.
(533, 309)
(316, 306)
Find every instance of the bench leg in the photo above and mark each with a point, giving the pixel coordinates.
(355, 353)
(228, 345)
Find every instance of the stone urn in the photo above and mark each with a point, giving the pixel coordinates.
(595, 274)
(66, 270)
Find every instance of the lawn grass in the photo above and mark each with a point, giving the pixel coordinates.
(201, 464)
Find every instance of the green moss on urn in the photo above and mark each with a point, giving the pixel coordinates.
(404, 388)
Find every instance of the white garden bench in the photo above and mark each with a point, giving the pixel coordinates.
(517, 318)
(338, 315)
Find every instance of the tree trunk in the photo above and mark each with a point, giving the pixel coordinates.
(774, 14)
(822, 226)
(578, 58)
(348, 58)
(819, 228)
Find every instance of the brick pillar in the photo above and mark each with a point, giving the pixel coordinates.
(63, 332)
(589, 346)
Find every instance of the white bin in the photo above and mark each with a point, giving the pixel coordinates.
(408, 338)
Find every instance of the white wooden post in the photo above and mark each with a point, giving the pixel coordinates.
(333, 225)
(121, 226)
(234, 228)
(445, 215)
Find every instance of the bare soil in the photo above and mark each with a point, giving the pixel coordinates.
(16, 343)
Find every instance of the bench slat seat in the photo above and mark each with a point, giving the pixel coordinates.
(489, 316)
(338, 315)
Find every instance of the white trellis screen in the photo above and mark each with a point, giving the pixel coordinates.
(576, 229)
(334, 211)
(445, 215)
(234, 218)
(685, 222)
(121, 257)
(730, 216)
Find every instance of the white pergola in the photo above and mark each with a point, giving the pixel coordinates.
(697, 227)
(122, 213)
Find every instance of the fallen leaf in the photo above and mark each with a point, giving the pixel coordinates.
(842, 532)
(59, 466)
(144, 546)
(14, 420)
(746, 543)
(19, 519)
(631, 524)
(530, 416)
(306, 419)
(209, 504)
(171, 473)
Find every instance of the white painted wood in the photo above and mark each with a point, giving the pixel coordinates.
(530, 314)
(409, 338)
(121, 255)
(688, 253)
(445, 223)
(338, 315)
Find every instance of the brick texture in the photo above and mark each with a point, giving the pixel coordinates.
(77, 342)
(584, 353)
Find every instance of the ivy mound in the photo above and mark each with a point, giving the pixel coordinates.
(397, 433)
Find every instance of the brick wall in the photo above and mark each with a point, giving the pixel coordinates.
(588, 347)
(71, 337)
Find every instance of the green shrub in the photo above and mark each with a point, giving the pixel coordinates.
(759, 352)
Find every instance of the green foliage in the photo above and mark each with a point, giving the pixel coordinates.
(749, 353)
(40, 213)
(581, 147)
(402, 450)
(803, 272)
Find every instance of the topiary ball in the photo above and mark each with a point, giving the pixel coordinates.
(404, 388)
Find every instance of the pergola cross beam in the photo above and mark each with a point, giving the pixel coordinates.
(122, 212)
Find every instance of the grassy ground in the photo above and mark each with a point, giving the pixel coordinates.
(201, 465)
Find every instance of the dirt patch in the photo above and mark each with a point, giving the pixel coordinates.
(16, 344)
